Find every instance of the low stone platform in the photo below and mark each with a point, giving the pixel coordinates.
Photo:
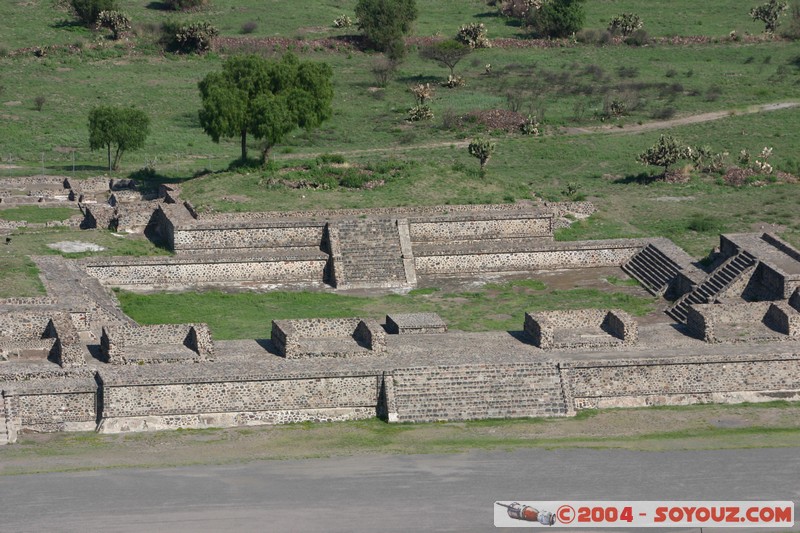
(415, 323)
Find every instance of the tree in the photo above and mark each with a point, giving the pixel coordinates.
(267, 99)
(665, 153)
(482, 149)
(87, 11)
(769, 13)
(115, 21)
(557, 18)
(446, 53)
(123, 127)
(385, 22)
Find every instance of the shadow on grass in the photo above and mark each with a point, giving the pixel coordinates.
(159, 6)
(68, 168)
(420, 79)
(643, 178)
(71, 25)
(488, 14)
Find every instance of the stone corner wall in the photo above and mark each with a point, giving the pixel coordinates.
(371, 334)
(783, 318)
(621, 325)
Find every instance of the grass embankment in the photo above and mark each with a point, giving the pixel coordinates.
(709, 427)
(495, 306)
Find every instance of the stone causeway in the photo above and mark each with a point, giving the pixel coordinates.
(73, 361)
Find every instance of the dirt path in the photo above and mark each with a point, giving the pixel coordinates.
(605, 129)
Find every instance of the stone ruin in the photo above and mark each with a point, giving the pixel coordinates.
(74, 361)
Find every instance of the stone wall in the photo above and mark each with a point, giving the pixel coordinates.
(464, 228)
(584, 254)
(188, 271)
(467, 392)
(238, 403)
(64, 404)
(328, 337)
(276, 235)
(687, 380)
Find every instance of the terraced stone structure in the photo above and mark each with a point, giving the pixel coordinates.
(730, 333)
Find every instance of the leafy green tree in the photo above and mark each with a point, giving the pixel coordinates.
(385, 22)
(446, 53)
(557, 18)
(665, 153)
(87, 11)
(266, 99)
(118, 128)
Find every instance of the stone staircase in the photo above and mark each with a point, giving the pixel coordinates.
(369, 254)
(653, 269)
(714, 284)
(478, 391)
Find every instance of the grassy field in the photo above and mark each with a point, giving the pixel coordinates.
(702, 427)
(35, 23)
(494, 306)
(567, 88)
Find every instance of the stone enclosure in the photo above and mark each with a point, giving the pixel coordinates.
(74, 361)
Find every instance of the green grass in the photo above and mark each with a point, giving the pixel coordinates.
(19, 275)
(35, 214)
(496, 306)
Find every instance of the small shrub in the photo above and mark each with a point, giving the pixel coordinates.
(482, 149)
(449, 119)
(342, 21)
(473, 35)
(663, 113)
(337, 159)
(713, 93)
(530, 126)
(453, 82)
(665, 153)
(671, 73)
(422, 92)
(769, 13)
(637, 38)
(115, 21)
(38, 102)
(702, 223)
(705, 159)
(195, 37)
(625, 24)
(792, 29)
(87, 11)
(249, 27)
(420, 112)
(384, 70)
(627, 72)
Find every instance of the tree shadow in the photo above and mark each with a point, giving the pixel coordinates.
(419, 79)
(488, 14)
(159, 6)
(643, 178)
(69, 25)
(68, 168)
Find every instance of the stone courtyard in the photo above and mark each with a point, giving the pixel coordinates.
(74, 361)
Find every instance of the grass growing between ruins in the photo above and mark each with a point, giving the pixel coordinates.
(19, 275)
(701, 427)
(494, 306)
(35, 214)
